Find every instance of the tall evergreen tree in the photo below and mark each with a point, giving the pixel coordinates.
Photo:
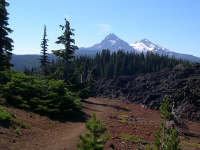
(66, 39)
(66, 55)
(44, 57)
(5, 42)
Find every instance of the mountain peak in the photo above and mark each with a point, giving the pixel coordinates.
(111, 36)
(113, 43)
(145, 41)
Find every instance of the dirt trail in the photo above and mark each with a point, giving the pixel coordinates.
(50, 135)
(121, 118)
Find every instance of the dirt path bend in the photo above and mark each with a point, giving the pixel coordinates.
(122, 119)
(50, 135)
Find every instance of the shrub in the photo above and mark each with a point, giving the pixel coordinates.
(93, 140)
(84, 93)
(5, 118)
(46, 97)
(5, 76)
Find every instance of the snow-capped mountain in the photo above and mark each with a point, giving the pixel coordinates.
(111, 42)
(114, 43)
(146, 45)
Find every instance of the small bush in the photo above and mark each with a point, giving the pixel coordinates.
(5, 118)
(93, 140)
(84, 93)
(20, 124)
(8, 120)
(46, 97)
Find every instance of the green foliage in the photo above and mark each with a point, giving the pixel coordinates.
(93, 140)
(165, 110)
(111, 64)
(5, 118)
(131, 138)
(66, 39)
(190, 144)
(66, 55)
(17, 131)
(123, 121)
(20, 124)
(5, 76)
(44, 57)
(5, 42)
(84, 93)
(166, 138)
(46, 97)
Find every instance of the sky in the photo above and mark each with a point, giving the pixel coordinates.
(174, 24)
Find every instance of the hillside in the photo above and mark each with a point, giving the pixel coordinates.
(122, 119)
(181, 85)
(21, 62)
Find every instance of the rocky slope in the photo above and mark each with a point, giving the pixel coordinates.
(181, 85)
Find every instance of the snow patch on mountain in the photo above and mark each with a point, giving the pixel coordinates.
(146, 45)
(113, 42)
(141, 47)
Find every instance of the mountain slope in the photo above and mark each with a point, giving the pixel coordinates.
(147, 46)
(27, 61)
(111, 42)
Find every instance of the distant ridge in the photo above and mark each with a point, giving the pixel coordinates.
(111, 42)
(114, 43)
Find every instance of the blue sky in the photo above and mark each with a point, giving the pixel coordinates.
(174, 24)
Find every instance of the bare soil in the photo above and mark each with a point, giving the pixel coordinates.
(121, 117)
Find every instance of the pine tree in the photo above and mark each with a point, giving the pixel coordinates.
(66, 55)
(166, 138)
(93, 140)
(44, 57)
(5, 42)
(69, 43)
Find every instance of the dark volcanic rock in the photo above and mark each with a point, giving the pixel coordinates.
(181, 85)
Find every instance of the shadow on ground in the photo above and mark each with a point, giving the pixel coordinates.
(106, 105)
(95, 110)
(74, 117)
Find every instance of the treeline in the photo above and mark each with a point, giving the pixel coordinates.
(111, 64)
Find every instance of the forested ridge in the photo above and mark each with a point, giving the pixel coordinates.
(121, 63)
